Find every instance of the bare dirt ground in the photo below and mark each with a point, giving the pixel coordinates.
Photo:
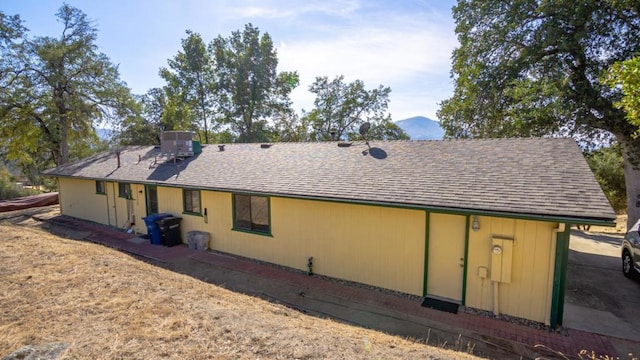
(105, 304)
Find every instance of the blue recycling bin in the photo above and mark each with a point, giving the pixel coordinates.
(152, 227)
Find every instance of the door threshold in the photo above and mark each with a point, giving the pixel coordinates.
(441, 304)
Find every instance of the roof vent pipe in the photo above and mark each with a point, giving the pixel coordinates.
(220, 147)
(265, 146)
(333, 135)
(118, 157)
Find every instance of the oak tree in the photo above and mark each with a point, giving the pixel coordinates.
(535, 68)
(249, 89)
(59, 89)
(159, 110)
(626, 76)
(191, 77)
(341, 108)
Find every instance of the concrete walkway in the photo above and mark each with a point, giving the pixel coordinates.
(354, 304)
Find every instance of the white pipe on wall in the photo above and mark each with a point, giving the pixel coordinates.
(496, 301)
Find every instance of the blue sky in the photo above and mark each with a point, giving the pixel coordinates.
(405, 45)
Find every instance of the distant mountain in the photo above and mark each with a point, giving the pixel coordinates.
(421, 128)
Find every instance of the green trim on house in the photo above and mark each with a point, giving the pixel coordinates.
(184, 202)
(127, 191)
(451, 211)
(443, 210)
(465, 261)
(147, 195)
(191, 213)
(252, 232)
(560, 276)
(249, 231)
(426, 252)
(146, 199)
(103, 186)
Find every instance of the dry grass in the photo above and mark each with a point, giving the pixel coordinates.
(620, 228)
(108, 305)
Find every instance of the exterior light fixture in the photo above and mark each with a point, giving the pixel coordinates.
(475, 225)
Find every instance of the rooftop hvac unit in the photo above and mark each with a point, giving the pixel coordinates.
(176, 143)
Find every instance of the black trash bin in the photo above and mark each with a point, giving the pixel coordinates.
(170, 231)
(152, 227)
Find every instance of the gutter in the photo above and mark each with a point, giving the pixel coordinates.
(439, 209)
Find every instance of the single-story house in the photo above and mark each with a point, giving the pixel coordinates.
(481, 223)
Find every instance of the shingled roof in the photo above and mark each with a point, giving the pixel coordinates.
(540, 177)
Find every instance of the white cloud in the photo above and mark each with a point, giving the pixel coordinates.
(253, 12)
(288, 9)
(370, 54)
(411, 54)
(404, 45)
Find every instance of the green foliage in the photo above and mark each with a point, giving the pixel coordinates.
(625, 75)
(191, 79)
(226, 91)
(530, 68)
(156, 111)
(224, 137)
(385, 129)
(56, 90)
(291, 128)
(249, 90)
(342, 108)
(533, 68)
(606, 164)
(8, 187)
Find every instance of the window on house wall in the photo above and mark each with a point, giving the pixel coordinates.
(251, 213)
(124, 190)
(191, 201)
(100, 188)
(152, 200)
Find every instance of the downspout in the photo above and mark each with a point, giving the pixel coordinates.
(550, 279)
(496, 297)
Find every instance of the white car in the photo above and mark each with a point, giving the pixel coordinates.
(631, 251)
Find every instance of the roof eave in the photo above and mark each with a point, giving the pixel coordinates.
(568, 219)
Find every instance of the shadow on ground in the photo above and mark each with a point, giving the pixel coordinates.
(599, 298)
(339, 306)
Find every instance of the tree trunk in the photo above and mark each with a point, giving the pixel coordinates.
(64, 143)
(631, 167)
(64, 125)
